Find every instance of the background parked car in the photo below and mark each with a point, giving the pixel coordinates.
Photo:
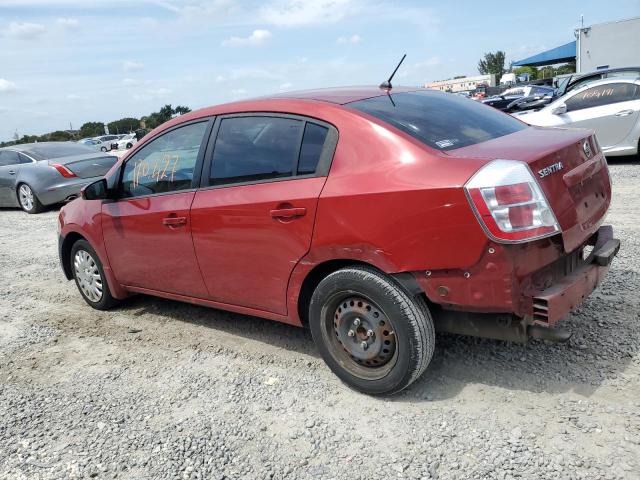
(610, 107)
(33, 175)
(107, 140)
(578, 80)
(502, 101)
(94, 144)
(126, 142)
(531, 102)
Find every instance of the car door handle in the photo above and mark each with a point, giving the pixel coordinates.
(12, 172)
(624, 113)
(174, 221)
(291, 212)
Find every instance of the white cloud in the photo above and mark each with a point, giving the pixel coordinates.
(73, 96)
(6, 85)
(351, 39)
(25, 30)
(238, 91)
(131, 82)
(429, 62)
(131, 65)
(153, 94)
(68, 23)
(258, 37)
(291, 13)
(286, 86)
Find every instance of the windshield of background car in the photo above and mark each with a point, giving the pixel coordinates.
(440, 120)
(45, 152)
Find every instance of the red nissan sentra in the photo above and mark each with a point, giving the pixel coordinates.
(375, 217)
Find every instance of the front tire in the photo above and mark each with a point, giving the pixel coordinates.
(28, 200)
(370, 332)
(89, 276)
(103, 149)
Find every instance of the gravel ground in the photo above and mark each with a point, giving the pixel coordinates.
(160, 389)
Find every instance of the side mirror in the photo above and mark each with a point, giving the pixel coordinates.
(95, 191)
(560, 109)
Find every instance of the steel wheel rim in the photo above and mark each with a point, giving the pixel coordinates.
(88, 275)
(360, 336)
(26, 197)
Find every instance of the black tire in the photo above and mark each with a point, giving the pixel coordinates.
(103, 149)
(389, 317)
(30, 206)
(129, 145)
(105, 300)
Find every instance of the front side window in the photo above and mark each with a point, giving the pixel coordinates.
(255, 148)
(439, 120)
(165, 164)
(602, 95)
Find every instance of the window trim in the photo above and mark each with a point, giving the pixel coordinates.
(197, 169)
(322, 168)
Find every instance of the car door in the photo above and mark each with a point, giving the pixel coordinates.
(610, 109)
(253, 218)
(147, 229)
(9, 167)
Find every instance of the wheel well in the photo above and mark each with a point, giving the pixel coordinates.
(314, 277)
(65, 252)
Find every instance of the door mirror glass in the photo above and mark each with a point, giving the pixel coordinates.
(96, 190)
(560, 109)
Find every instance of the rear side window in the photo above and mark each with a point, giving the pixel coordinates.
(440, 120)
(602, 95)
(255, 148)
(311, 149)
(165, 164)
(7, 157)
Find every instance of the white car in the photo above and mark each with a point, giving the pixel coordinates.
(126, 142)
(610, 107)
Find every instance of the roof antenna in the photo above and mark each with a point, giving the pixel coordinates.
(387, 85)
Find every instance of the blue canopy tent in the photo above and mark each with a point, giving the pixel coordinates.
(562, 54)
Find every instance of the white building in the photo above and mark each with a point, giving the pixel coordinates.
(608, 45)
(465, 84)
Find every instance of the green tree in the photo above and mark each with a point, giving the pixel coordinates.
(492, 63)
(58, 136)
(532, 71)
(566, 68)
(124, 125)
(91, 129)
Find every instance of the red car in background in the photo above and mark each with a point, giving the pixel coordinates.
(375, 217)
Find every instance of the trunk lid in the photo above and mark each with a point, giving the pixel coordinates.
(570, 169)
(87, 165)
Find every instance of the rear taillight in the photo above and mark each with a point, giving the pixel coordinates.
(509, 203)
(64, 171)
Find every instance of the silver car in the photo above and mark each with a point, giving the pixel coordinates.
(33, 175)
(610, 107)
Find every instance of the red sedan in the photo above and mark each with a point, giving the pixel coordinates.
(373, 217)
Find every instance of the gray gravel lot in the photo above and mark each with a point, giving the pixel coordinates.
(160, 389)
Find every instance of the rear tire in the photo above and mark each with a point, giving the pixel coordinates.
(103, 149)
(370, 332)
(89, 276)
(28, 200)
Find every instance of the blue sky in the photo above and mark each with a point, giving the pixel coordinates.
(65, 61)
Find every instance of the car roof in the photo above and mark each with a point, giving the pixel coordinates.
(27, 147)
(341, 95)
(605, 81)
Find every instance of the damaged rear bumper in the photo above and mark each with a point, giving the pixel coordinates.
(555, 302)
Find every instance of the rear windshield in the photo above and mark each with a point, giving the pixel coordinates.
(441, 120)
(57, 150)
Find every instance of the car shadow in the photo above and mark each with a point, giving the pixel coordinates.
(604, 343)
